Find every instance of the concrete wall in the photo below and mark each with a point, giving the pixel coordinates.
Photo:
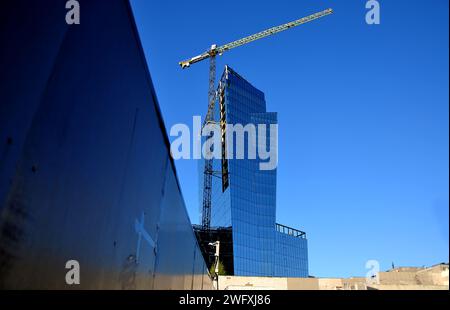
(252, 283)
(276, 283)
(401, 278)
(435, 275)
(393, 287)
(302, 284)
(433, 278)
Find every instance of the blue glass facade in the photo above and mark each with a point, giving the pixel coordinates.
(291, 256)
(248, 203)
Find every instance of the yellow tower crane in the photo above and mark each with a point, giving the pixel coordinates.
(211, 54)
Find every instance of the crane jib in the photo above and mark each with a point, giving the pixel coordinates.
(271, 31)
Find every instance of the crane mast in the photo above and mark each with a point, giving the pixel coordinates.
(209, 119)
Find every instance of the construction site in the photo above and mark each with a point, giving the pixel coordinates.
(87, 175)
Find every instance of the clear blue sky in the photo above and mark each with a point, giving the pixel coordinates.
(363, 117)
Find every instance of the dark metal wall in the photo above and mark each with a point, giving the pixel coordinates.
(85, 172)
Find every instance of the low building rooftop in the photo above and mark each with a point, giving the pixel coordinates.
(290, 231)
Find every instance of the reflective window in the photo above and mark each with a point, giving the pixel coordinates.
(249, 203)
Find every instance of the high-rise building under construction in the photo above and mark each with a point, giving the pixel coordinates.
(244, 196)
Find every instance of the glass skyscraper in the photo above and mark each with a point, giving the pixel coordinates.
(244, 197)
